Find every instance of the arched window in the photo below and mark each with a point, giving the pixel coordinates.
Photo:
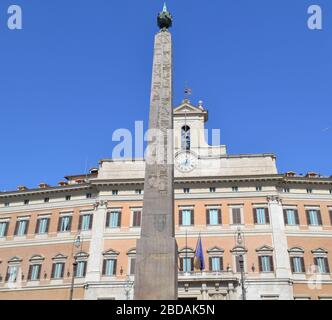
(185, 138)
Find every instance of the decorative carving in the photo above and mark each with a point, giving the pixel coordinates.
(99, 203)
(274, 199)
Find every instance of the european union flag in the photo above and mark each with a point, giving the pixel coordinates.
(199, 255)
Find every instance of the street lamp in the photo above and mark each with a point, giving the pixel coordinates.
(240, 242)
(77, 244)
(128, 286)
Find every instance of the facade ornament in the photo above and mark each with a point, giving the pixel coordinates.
(99, 203)
(275, 199)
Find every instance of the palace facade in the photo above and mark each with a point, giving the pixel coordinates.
(79, 238)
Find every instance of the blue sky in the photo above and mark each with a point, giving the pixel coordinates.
(81, 69)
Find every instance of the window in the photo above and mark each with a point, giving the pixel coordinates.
(3, 228)
(46, 200)
(322, 264)
(297, 264)
(286, 190)
(261, 216)
(330, 191)
(291, 217)
(187, 264)
(7, 204)
(314, 217)
(216, 263)
(235, 189)
(330, 213)
(259, 188)
(80, 269)
(12, 273)
(265, 263)
(309, 191)
(26, 202)
(213, 217)
(42, 225)
(236, 216)
(115, 192)
(186, 217)
(64, 223)
(21, 227)
(68, 198)
(186, 190)
(138, 191)
(85, 222)
(185, 138)
(109, 267)
(113, 219)
(137, 218)
(88, 195)
(212, 189)
(58, 270)
(34, 272)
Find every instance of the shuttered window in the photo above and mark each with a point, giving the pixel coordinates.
(64, 223)
(216, 264)
(213, 217)
(137, 218)
(21, 227)
(291, 217)
(261, 216)
(34, 272)
(58, 270)
(236, 216)
(42, 225)
(186, 217)
(314, 217)
(297, 264)
(265, 263)
(322, 264)
(85, 222)
(113, 219)
(187, 264)
(3, 228)
(81, 269)
(109, 267)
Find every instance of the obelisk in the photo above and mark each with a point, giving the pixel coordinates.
(156, 250)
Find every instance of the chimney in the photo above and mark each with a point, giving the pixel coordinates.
(22, 188)
(290, 174)
(43, 185)
(62, 184)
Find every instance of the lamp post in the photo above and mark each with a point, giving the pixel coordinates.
(77, 244)
(240, 242)
(128, 286)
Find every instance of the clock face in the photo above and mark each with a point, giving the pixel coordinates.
(186, 162)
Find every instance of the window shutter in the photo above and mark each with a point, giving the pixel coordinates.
(221, 263)
(114, 267)
(319, 215)
(285, 217)
(119, 219)
(6, 229)
(53, 270)
(180, 218)
(297, 220)
(104, 266)
(302, 264)
(29, 273)
(80, 223)
(26, 227)
(271, 263)
(90, 221)
(139, 213)
(181, 264)
(260, 264)
(267, 216)
(192, 260)
(62, 269)
(59, 224)
(315, 262)
(308, 217)
(48, 224)
(330, 217)
(84, 268)
(132, 265)
(210, 263)
(219, 216)
(192, 217)
(39, 270)
(292, 264)
(255, 215)
(207, 217)
(7, 275)
(327, 265)
(16, 228)
(37, 225)
(108, 219)
(69, 224)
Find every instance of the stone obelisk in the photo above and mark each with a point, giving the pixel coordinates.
(156, 251)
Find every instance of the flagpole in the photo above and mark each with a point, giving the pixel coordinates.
(186, 249)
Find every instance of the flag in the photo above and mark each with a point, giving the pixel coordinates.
(187, 91)
(199, 255)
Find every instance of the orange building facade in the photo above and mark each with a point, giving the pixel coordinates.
(78, 238)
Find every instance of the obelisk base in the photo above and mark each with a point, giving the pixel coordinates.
(156, 267)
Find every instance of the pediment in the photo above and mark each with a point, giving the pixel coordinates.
(264, 248)
(215, 250)
(111, 252)
(187, 108)
(319, 251)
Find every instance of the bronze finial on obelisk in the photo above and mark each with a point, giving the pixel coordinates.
(156, 251)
